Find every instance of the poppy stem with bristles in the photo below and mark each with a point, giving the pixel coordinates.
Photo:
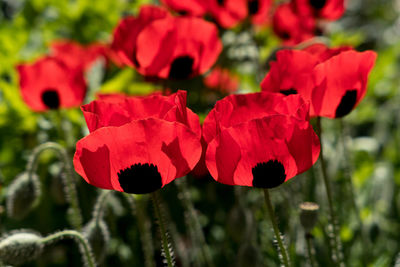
(334, 237)
(310, 249)
(282, 250)
(166, 245)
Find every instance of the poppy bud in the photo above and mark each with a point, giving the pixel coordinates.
(308, 215)
(22, 195)
(98, 236)
(19, 247)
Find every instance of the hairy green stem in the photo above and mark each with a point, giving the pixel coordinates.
(199, 239)
(86, 250)
(271, 213)
(70, 188)
(334, 236)
(167, 248)
(144, 228)
(310, 249)
(98, 210)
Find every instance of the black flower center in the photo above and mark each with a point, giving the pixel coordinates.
(346, 104)
(253, 6)
(221, 2)
(140, 179)
(317, 4)
(51, 99)
(290, 91)
(268, 174)
(181, 68)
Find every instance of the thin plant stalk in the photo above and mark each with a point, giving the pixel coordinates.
(86, 250)
(72, 196)
(282, 250)
(193, 221)
(144, 228)
(166, 245)
(334, 234)
(310, 249)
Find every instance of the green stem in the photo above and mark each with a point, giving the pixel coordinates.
(167, 249)
(193, 220)
(84, 244)
(334, 236)
(310, 250)
(98, 210)
(271, 214)
(144, 228)
(70, 188)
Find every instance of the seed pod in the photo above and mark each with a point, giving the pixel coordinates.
(22, 195)
(98, 236)
(308, 215)
(19, 247)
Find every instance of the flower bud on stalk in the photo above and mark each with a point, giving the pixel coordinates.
(22, 195)
(96, 232)
(18, 247)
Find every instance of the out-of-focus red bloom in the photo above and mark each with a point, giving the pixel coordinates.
(138, 144)
(327, 9)
(258, 11)
(127, 31)
(259, 140)
(49, 83)
(333, 80)
(187, 7)
(177, 48)
(76, 55)
(291, 27)
(223, 80)
(227, 13)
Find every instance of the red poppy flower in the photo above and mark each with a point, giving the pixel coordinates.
(223, 80)
(138, 145)
(125, 34)
(76, 55)
(291, 27)
(227, 13)
(327, 9)
(177, 47)
(333, 80)
(187, 7)
(259, 140)
(49, 83)
(258, 11)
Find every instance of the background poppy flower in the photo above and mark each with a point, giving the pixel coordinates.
(332, 83)
(258, 11)
(140, 143)
(187, 7)
(291, 27)
(49, 83)
(327, 9)
(227, 13)
(76, 55)
(223, 80)
(261, 150)
(177, 47)
(127, 30)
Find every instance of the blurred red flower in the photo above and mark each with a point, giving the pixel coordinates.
(223, 80)
(50, 83)
(187, 7)
(327, 9)
(76, 55)
(292, 27)
(333, 80)
(260, 139)
(138, 144)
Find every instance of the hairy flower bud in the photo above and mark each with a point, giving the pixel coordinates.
(19, 247)
(308, 215)
(22, 195)
(98, 236)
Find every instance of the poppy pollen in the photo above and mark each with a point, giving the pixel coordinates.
(290, 91)
(181, 68)
(268, 174)
(318, 4)
(51, 98)
(253, 6)
(140, 178)
(346, 104)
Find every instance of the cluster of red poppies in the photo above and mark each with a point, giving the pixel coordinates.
(140, 144)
